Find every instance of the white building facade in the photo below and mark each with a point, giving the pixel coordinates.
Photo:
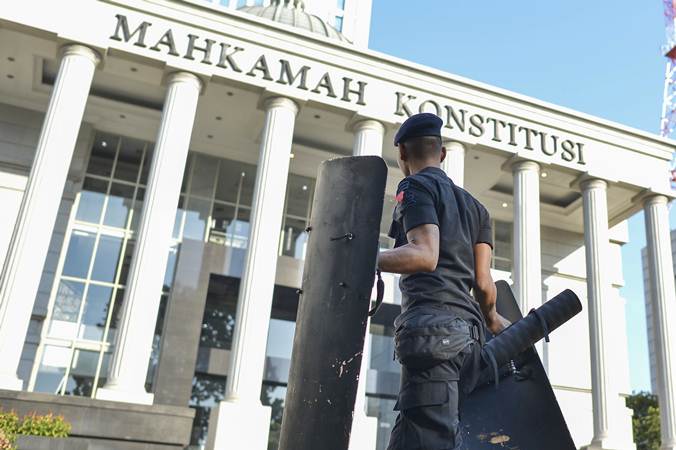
(157, 166)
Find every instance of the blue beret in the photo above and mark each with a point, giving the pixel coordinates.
(423, 124)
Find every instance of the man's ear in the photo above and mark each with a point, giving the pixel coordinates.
(402, 152)
(443, 154)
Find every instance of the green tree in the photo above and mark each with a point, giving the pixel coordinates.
(646, 420)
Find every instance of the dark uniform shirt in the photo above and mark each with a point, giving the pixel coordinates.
(430, 197)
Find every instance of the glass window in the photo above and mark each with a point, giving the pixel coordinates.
(129, 159)
(126, 261)
(178, 221)
(95, 312)
(502, 255)
(66, 309)
(197, 214)
(299, 195)
(301, 246)
(103, 372)
(340, 4)
(278, 350)
(119, 205)
(91, 200)
(82, 372)
(298, 202)
(230, 177)
(383, 376)
(147, 163)
(274, 396)
(339, 23)
(68, 300)
(186, 174)
(171, 268)
(116, 316)
(79, 254)
(52, 370)
(383, 409)
(138, 208)
(239, 229)
(218, 322)
(241, 3)
(221, 218)
(103, 155)
(157, 340)
(248, 185)
(207, 392)
(294, 238)
(280, 334)
(384, 373)
(204, 176)
(107, 257)
(386, 219)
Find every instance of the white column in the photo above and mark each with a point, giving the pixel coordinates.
(597, 252)
(526, 274)
(126, 381)
(664, 311)
(33, 230)
(368, 140)
(454, 164)
(240, 421)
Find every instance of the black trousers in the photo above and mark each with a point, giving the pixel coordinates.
(429, 399)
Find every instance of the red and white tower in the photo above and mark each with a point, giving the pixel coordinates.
(668, 124)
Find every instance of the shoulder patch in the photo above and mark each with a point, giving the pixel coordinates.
(405, 198)
(403, 185)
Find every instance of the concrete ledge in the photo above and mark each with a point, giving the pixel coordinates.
(105, 424)
(44, 443)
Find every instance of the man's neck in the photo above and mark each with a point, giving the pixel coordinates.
(416, 167)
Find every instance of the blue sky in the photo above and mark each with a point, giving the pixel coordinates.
(601, 57)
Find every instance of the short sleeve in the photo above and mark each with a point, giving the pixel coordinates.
(395, 227)
(415, 205)
(485, 228)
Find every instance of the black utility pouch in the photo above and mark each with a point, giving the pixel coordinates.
(425, 340)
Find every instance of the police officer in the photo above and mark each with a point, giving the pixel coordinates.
(443, 249)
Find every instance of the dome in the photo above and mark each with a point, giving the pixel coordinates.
(292, 12)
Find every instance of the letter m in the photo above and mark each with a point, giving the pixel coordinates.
(123, 26)
(286, 76)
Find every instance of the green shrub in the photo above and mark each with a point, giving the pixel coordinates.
(48, 425)
(5, 442)
(9, 424)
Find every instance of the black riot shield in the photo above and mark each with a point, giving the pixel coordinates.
(522, 412)
(332, 315)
